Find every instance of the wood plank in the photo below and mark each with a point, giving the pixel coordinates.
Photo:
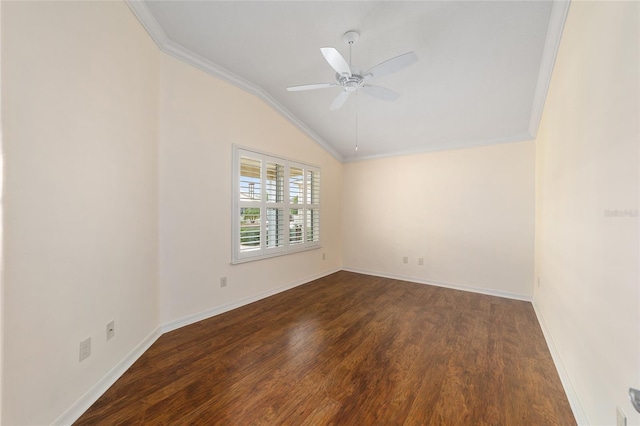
(348, 349)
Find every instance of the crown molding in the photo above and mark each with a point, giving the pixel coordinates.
(449, 147)
(557, 19)
(148, 21)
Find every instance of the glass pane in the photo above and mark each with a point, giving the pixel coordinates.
(249, 229)
(313, 225)
(274, 185)
(296, 223)
(250, 172)
(313, 187)
(275, 228)
(296, 185)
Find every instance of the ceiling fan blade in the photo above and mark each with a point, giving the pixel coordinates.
(392, 65)
(339, 100)
(336, 60)
(311, 86)
(380, 92)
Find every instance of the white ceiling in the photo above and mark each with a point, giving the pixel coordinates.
(482, 75)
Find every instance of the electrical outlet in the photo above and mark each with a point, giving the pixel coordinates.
(323, 256)
(405, 259)
(538, 282)
(621, 419)
(111, 329)
(85, 348)
(223, 281)
(421, 261)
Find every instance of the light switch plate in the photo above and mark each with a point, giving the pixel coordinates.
(85, 348)
(111, 329)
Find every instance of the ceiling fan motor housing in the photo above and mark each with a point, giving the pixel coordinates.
(350, 84)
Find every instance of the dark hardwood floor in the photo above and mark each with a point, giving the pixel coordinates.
(348, 349)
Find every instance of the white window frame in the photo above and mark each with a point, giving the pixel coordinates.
(241, 254)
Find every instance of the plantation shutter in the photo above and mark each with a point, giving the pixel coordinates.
(250, 206)
(313, 205)
(276, 206)
(274, 200)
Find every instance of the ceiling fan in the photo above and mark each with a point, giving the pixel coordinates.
(351, 79)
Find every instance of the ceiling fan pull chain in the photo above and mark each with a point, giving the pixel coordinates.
(356, 121)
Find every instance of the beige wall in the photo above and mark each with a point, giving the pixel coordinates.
(119, 156)
(469, 213)
(587, 163)
(79, 105)
(201, 118)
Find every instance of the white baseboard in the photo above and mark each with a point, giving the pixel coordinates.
(88, 399)
(569, 390)
(574, 402)
(453, 286)
(74, 412)
(217, 310)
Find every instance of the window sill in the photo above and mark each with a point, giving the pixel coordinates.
(276, 254)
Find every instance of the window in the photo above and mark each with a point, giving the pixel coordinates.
(276, 206)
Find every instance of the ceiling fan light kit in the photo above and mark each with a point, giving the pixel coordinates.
(350, 79)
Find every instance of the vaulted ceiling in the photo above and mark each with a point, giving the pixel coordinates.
(482, 75)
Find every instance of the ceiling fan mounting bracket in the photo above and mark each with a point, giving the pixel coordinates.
(350, 37)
